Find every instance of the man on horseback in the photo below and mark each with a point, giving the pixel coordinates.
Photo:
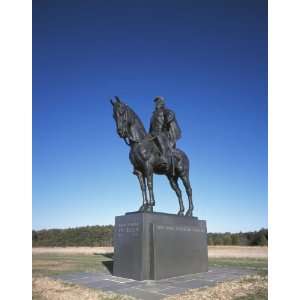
(164, 130)
(147, 150)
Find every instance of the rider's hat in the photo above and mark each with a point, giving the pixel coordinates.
(159, 100)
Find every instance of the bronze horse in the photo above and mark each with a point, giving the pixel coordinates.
(144, 156)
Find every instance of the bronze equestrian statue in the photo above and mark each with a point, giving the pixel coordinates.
(155, 152)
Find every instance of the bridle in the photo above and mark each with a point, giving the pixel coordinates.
(126, 120)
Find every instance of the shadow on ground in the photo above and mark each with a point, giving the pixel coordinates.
(108, 264)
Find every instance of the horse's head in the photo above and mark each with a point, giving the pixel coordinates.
(129, 126)
(120, 114)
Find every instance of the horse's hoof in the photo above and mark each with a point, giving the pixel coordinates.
(180, 213)
(142, 208)
(189, 213)
(149, 209)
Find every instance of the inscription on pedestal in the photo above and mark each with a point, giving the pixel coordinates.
(127, 228)
(179, 250)
(127, 244)
(181, 228)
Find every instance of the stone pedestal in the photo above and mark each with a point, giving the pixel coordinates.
(152, 246)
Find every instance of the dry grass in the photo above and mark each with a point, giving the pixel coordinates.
(213, 251)
(47, 264)
(50, 265)
(72, 250)
(45, 288)
(250, 287)
(238, 251)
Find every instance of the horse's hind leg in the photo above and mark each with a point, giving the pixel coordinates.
(186, 181)
(142, 182)
(175, 187)
(150, 190)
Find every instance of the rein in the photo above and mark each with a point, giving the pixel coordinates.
(126, 142)
(127, 139)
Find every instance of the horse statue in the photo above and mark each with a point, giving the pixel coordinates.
(144, 156)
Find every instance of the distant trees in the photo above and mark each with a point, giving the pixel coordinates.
(227, 240)
(260, 238)
(235, 239)
(210, 240)
(103, 236)
(255, 238)
(80, 236)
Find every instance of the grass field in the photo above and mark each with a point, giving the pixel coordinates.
(213, 251)
(56, 261)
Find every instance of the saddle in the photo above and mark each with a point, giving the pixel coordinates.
(170, 155)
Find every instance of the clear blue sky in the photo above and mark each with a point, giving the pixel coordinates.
(207, 58)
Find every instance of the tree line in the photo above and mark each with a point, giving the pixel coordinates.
(254, 238)
(103, 236)
(80, 236)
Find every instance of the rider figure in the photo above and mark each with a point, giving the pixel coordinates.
(164, 129)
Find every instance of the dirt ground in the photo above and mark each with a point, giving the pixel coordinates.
(213, 251)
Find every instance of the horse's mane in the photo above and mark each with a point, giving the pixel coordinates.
(137, 119)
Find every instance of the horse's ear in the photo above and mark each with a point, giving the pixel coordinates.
(118, 99)
(112, 102)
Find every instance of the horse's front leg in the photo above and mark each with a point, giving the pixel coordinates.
(142, 182)
(150, 189)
